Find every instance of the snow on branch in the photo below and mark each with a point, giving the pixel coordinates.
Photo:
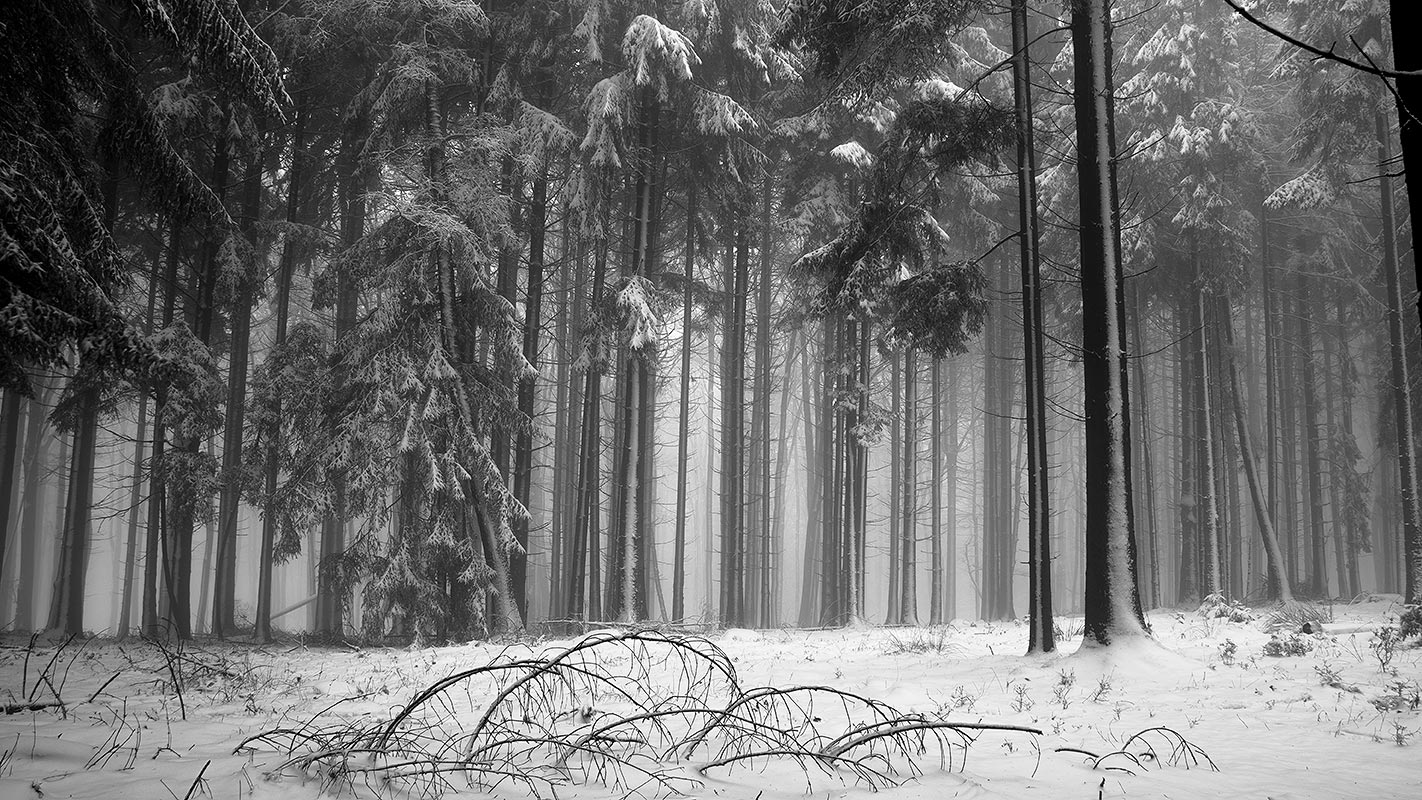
(719, 115)
(656, 53)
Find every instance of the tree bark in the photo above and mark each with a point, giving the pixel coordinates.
(1112, 603)
(9, 458)
(908, 504)
(286, 267)
(1397, 341)
(1040, 633)
(683, 437)
(1278, 574)
(1406, 57)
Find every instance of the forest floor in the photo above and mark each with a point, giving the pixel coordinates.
(1338, 718)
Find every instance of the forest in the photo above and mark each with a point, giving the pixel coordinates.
(427, 327)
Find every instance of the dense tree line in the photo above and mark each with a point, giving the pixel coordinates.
(437, 318)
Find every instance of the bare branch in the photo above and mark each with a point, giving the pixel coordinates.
(1327, 55)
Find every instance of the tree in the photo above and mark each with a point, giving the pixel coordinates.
(1113, 611)
(1040, 637)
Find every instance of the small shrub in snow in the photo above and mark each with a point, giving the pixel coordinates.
(1385, 644)
(963, 699)
(1062, 690)
(1288, 645)
(1103, 688)
(932, 640)
(1402, 696)
(1023, 702)
(1228, 650)
(1329, 676)
(1401, 733)
(1216, 606)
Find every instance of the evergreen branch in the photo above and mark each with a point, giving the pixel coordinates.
(1320, 53)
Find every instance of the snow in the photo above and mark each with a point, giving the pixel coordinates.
(1271, 725)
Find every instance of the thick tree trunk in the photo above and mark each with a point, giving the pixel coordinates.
(1112, 604)
(1406, 57)
(1397, 341)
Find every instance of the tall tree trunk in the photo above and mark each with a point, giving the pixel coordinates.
(184, 505)
(896, 460)
(225, 577)
(733, 500)
(570, 329)
(27, 534)
(1397, 342)
(527, 390)
(935, 483)
(833, 466)
(950, 508)
(813, 424)
(67, 605)
(1407, 58)
(47, 519)
(683, 437)
(763, 330)
(1151, 583)
(1355, 514)
(1205, 463)
(860, 465)
(1317, 580)
(1187, 585)
(286, 267)
(1040, 635)
(9, 458)
(1288, 472)
(1278, 574)
(908, 504)
(584, 552)
(153, 616)
(1112, 604)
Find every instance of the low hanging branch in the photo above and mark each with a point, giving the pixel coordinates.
(1326, 55)
(627, 709)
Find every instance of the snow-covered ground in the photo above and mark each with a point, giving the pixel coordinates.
(1335, 722)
